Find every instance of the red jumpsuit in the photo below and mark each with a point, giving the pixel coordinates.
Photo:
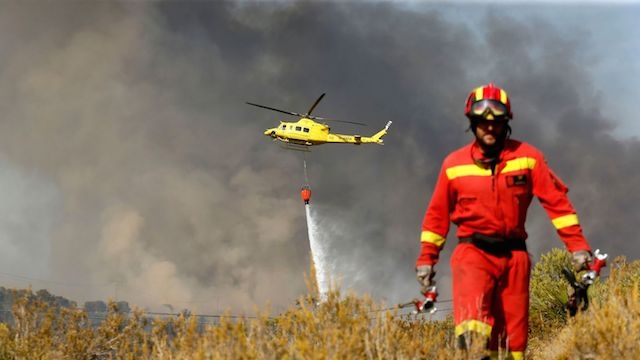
(491, 291)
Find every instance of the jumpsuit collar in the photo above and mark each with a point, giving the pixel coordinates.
(484, 159)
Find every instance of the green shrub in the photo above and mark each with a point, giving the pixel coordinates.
(548, 293)
(609, 328)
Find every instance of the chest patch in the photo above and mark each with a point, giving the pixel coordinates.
(517, 180)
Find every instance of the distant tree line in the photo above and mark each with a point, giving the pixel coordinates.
(8, 296)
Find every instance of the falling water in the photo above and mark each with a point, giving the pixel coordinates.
(318, 255)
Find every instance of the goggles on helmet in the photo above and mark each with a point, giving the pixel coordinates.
(483, 107)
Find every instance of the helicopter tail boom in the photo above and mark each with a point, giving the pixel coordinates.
(377, 137)
(357, 139)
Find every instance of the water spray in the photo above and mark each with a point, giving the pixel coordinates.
(318, 251)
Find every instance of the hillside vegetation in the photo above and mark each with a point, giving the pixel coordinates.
(341, 327)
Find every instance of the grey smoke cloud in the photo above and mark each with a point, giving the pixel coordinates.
(139, 166)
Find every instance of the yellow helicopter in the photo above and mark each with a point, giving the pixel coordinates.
(306, 132)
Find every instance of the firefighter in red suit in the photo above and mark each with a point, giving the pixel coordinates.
(485, 189)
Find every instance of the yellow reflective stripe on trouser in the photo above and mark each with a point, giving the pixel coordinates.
(564, 221)
(431, 237)
(504, 355)
(473, 325)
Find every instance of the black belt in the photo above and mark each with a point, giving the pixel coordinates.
(495, 245)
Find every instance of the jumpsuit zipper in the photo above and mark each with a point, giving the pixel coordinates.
(496, 191)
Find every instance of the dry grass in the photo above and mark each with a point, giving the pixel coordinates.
(341, 327)
(610, 329)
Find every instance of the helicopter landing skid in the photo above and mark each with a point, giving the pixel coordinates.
(296, 147)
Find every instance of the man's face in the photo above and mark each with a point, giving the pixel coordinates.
(489, 132)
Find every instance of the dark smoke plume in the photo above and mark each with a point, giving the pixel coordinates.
(140, 173)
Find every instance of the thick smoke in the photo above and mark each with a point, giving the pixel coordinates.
(138, 173)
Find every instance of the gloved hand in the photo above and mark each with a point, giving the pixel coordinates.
(581, 259)
(425, 274)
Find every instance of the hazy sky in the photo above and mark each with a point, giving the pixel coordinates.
(131, 167)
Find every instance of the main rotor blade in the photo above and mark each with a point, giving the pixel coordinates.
(274, 109)
(315, 104)
(343, 121)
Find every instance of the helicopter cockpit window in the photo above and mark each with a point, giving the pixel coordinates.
(298, 128)
(305, 130)
(283, 127)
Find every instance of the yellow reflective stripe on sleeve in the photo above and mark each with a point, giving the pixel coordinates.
(473, 325)
(431, 237)
(504, 355)
(523, 163)
(564, 221)
(466, 170)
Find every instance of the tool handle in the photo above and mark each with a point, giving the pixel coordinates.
(599, 261)
(428, 304)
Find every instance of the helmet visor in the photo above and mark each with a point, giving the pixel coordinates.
(482, 107)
